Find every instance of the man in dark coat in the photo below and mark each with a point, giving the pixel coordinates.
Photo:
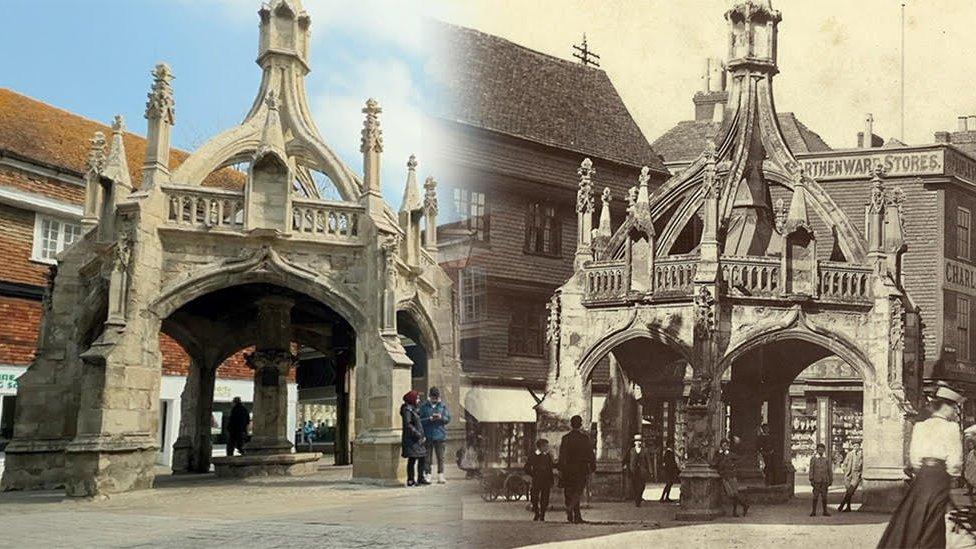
(240, 418)
(637, 467)
(540, 466)
(576, 462)
(412, 440)
(821, 476)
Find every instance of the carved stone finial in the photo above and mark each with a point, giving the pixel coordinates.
(606, 197)
(118, 124)
(584, 196)
(412, 163)
(631, 198)
(877, 189)
(96, 154)
(643, 195)
(161, 104)
(372, 139)
(430, 196)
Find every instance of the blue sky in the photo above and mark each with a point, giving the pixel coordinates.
(93, 57)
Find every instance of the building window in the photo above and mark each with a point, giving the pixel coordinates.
(470, 348)
(472, 211)
(542, 230)
(51, 236)
(473, 294)
(963, 219)
(525, 331)
(962, 328)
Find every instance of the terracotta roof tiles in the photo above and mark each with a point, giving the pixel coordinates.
(35, 131)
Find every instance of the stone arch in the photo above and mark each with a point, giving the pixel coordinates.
(212, 279)
(833, 342)
(425, 324)
(595, 352)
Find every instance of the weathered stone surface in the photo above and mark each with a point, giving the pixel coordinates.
(265, 465)
(190, 261)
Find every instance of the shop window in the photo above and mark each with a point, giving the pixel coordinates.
(525, 331)
(473, 294)
(963, 220)
(542, 230)
(962, 328)
(471, 208)
(470, 348)
(51, 236)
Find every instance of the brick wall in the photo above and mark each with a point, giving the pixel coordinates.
(18, 330)
(16, 240)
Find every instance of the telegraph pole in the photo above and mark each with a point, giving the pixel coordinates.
(903, 72)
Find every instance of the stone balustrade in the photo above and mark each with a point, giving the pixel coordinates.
(326, 220)
(605, 280)
(753, 276)
(844, 281)
(675, 275)
(204, 208)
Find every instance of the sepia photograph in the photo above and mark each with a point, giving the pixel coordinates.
(488, 273)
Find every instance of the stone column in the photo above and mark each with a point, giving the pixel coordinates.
(203, 444)
(616, 421)
(886, 436)
(269, 434)
(271, 361)
(189, 400)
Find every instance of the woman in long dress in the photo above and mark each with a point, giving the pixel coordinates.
(935, 453)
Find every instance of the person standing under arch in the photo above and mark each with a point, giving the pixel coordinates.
(412, 439)
(935, 453)
(637, 465)
(240, 418)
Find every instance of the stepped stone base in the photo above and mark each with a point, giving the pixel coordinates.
(266, 465)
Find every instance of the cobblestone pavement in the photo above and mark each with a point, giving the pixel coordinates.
(328, 510)
(324, 510)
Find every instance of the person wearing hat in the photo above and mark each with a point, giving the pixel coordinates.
(435, 415)
(412, 440)
(935, 454)
(637, 467)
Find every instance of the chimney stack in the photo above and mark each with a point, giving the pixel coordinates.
(711, 99)
(971, 123)
(961, 124)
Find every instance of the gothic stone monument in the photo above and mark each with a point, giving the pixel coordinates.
(703, 280)
(268, 266)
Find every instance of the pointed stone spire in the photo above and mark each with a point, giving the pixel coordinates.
(116, 166)
(604, 228)
(95, 164)
(411, 193)
(430, 215)
(371, 145)
(161, 114)
(272, 136)
(797, 217)
(584, 213)
(641, 211)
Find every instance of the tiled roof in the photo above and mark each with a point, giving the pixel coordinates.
(685, 141)
(34, 130)
(501, 86)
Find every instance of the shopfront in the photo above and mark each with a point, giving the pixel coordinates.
(170, 391)
(8, 400)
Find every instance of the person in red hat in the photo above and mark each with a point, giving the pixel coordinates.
(935, 453)
(412, 440)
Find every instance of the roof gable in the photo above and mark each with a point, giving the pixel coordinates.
(501, 86)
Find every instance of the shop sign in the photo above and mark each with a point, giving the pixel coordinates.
(857, 166)
(961, 166)
(960, 277)
(8, 378)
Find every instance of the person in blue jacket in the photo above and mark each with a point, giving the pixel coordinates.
(435, 415)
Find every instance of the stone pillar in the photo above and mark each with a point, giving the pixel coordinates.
(269, 434)
(701, 492)
(886, 436)
(616, 423)
(203, 444)
(271, 361)
(189, 401)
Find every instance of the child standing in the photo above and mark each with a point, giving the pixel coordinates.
(540, 467)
